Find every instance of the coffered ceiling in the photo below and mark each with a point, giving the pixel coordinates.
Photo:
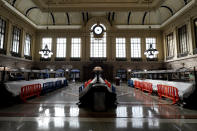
(78, 12)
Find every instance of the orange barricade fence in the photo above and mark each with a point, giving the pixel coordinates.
(141, 85)
(138, 84)
(168, 92)
(30, 90)
(108, 83)
(147, 86)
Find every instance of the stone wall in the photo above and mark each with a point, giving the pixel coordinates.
(188, 61)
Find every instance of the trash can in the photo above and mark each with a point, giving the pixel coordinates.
(117, 79)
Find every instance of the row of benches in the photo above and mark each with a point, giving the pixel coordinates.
(162, 90)
(36, 89)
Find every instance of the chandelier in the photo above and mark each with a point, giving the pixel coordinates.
(150, 52)
(46, 53)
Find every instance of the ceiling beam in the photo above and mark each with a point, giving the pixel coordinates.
(127, 27)
(13, 2)
(113, 16)
(53, 18)
(59, 27)
(68, 18)
(87, 17)
(109, 15)
(83, 16)
(28, 10)
(186, 2)
(167, 7)
(144, 17)
(128, 19)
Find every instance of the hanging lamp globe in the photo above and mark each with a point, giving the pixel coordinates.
(45, 53)
(151, 52)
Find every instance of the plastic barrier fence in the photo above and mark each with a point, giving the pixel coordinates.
(147, 86)
(168, 92)
(48, 86)
(137, 84)
(130, 83)
(30, 90)
(58, 84)
(144, 86)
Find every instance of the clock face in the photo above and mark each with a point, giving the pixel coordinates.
(98, 30)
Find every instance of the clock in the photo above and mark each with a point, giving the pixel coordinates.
(98, 30)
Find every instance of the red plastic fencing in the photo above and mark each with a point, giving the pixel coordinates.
(108, 83)
(168, 92)
(144, 86)
(147, 86)
(137, 84)
(30, 90)
(87, 83)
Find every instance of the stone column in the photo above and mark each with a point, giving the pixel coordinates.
(176, 50)
(160, 46)
(37, 47)
(87, 48)
(8, 38)
(54, 48)
(113, 48)
(32, 51)
(108, 46)
(83, 48)
(164, 46)
(22, 43)
(128, 49)
(143, 48)
(68, 48)
(190, 41)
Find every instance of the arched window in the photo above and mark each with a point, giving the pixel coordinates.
(98, 41)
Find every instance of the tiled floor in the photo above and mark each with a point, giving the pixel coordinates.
(58, 111)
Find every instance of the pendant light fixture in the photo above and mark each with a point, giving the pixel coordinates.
(150, 52)
(46, 53)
